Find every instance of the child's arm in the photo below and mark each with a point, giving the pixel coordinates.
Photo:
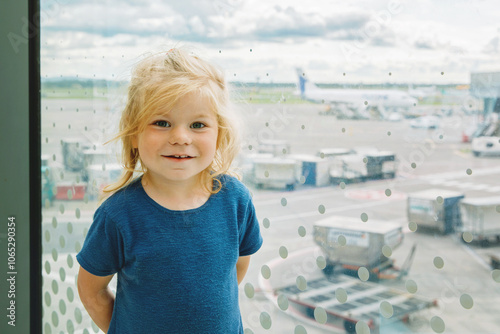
(242, 267)
(96, 297)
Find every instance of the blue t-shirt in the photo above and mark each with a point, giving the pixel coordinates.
(176, 269)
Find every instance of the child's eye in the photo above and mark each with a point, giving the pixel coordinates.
(197, 125)
(162, 124)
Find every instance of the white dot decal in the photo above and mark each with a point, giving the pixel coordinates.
(411, 286)
(283, 252)
(362, 328)
(320, 315)
(438, 262)
(386, 309)
(466, 301)
(363, 274)
(249, 290)
(437, 324)
(341, 295)
(321, 262)
(301, 283)
(265, 271)
(265, 320)
(283, 302)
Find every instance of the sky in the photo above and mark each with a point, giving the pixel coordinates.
(355, 41)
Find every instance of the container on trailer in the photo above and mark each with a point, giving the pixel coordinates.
(481, 218)
(72, 149)
(275, 146)
(328, 153)
(348, 168)
(315, 170)
(437, 209)
(362, 304)
(380, 165)
(276, 172)
(350, 241)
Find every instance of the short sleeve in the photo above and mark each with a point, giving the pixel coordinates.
(102, 251)
(250, 237)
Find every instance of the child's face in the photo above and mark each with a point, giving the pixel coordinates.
(178, 145)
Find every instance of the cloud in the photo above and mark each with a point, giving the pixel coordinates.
(220, 21)
(493, 46)
(279, 22)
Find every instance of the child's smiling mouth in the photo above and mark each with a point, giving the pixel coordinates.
(178, 156)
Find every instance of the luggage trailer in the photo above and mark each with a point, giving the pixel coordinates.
(347, 300)
(350, 244)
(362, 302)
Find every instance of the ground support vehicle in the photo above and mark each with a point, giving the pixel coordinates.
(347, 301)
(486, 140)
(486, 146)
(276, 172)
(481, 218)
(350, 244)
(435, 209)
(314, 170)
(275, 147)
(363, 166)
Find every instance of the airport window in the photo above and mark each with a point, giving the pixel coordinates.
(371, 146)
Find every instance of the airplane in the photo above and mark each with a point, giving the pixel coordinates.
(422, 92)
(355, 103)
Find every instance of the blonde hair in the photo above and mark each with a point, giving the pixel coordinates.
(160, 80)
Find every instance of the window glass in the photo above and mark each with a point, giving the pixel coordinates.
(371, 145)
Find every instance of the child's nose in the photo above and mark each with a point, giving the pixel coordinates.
(180, 136)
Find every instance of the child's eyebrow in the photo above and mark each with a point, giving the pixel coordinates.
(203, 115)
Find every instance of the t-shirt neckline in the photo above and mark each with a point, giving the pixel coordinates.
(138, 184)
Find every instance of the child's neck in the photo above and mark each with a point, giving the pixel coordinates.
(176, 196)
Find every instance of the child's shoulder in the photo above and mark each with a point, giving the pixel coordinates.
(233, 184)
(123, 197)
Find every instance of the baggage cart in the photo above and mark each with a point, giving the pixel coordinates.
(380, 165)
(435, 209)
(72, 149)
(314, 170)
(329, 153)
(363, 303)
(350, 244)
(276, 172)
(275, 147)
(348, 168)
(481, 218)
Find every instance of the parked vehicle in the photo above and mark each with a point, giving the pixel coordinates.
(363, 303)
(426, 122)
(486, 146)
(481, 218)
(350, 244)
(435, 209)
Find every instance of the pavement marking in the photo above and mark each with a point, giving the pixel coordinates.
(494, 189)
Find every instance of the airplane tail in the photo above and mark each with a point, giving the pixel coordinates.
(303, 84)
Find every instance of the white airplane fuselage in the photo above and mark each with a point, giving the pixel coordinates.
(357, 98)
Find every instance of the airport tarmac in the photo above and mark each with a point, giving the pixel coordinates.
(426, 158)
